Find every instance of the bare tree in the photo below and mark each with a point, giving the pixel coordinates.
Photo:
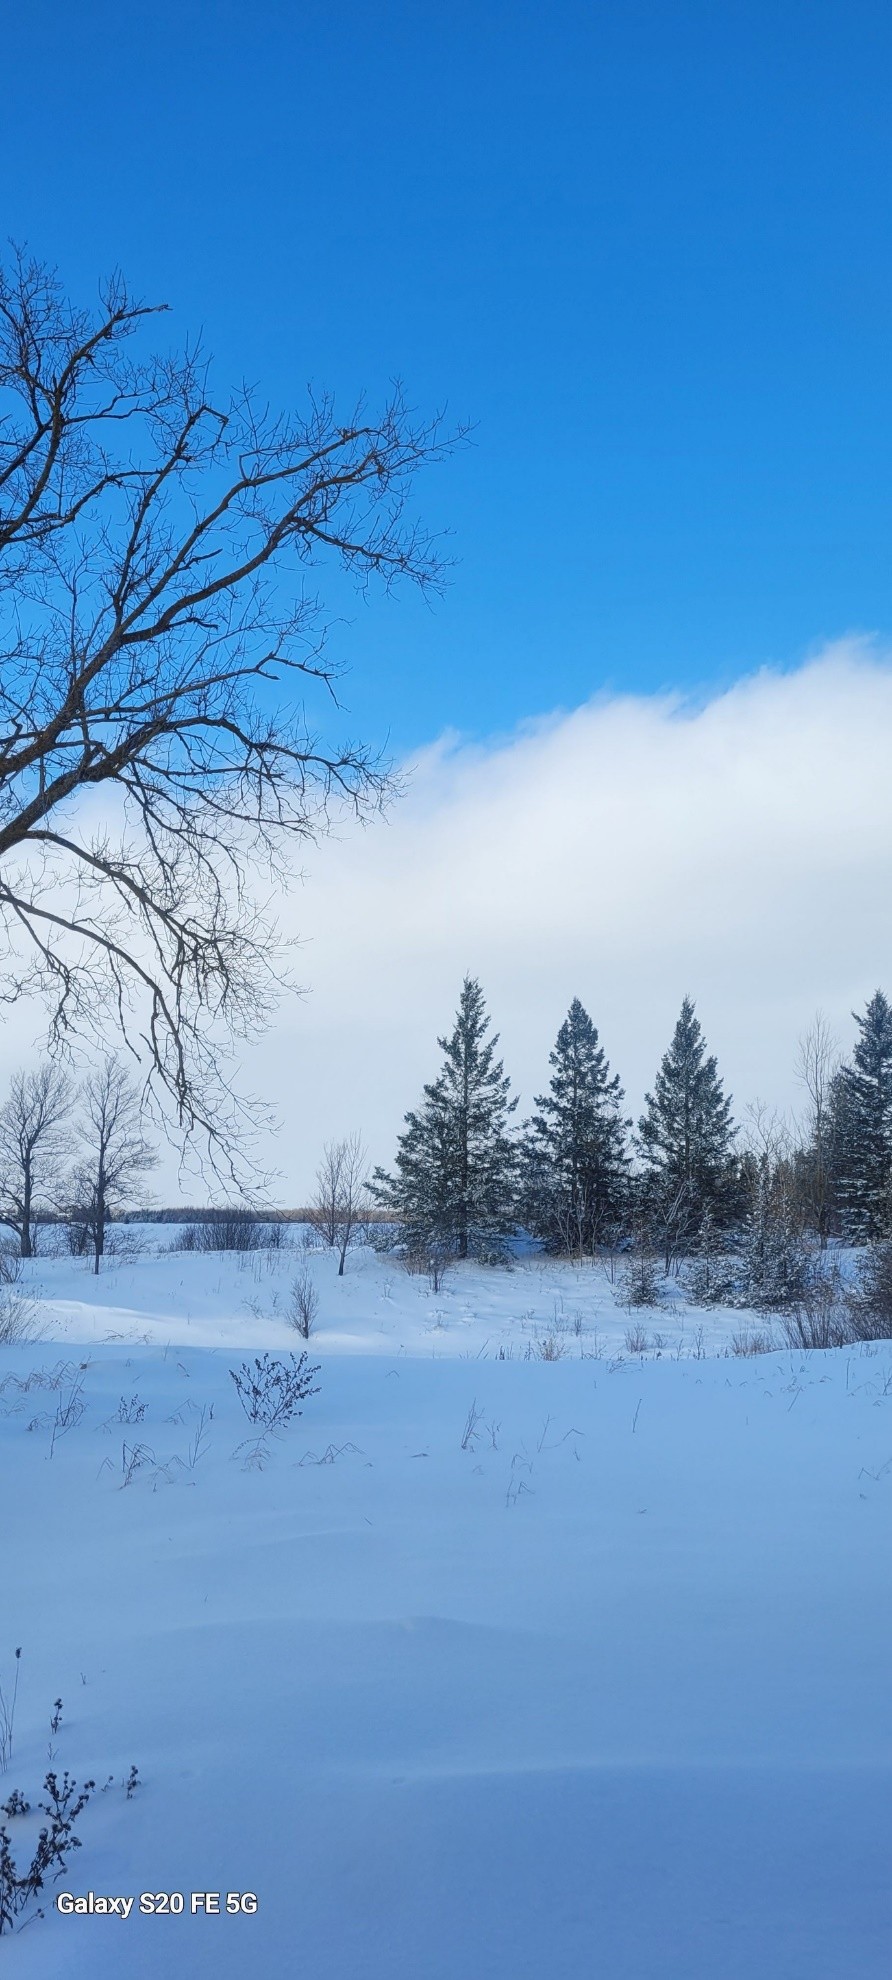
(667, 1221)
(324, 1209)
(340, 1200)
(115, 1150)
(158, 638)
(766, 1133)
(816, 1068)
(354, 1171)
(32, 1122)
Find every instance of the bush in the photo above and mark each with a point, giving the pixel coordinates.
(50, 1860)
(870, 1301)
(749, 1341)
(235, 1230)
(820, 1317)
(641, 1283)
(18, 1313)
(304, 1302)
(712, 1280)
(270, 1391)
(124, 1244)
(810, 1326)
(77, 1233)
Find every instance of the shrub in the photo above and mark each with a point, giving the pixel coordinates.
(820, 1317)
(870, 1301)
(230, 1230)
(18, 1317)
(7, 1716)
(641, 1280)
(552, 1348)
(749, 1341)
(440, 1261)
(18, 1313)
(125, 1244)
(56, 1839)
(304, 1302)
(77, 1233)
(711, 1280)
(270, 1391)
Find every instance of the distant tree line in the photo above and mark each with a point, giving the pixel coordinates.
(745, 1205)
(685, 1181)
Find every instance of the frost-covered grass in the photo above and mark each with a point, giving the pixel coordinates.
(493, 1667)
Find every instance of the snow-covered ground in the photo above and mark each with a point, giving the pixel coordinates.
(532, 1307)
(496, 1665)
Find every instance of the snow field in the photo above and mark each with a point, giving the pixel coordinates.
(492, 1667)
(160, 1295)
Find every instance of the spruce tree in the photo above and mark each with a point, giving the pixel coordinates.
(685, 1134)
(776, 1264)
(575, 1160)
(862, 1110)
(454, 1181)
(712, 1277)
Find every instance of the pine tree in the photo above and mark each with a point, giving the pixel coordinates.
(862, 1111)
(453, 1189)
(575, 1160)
(685, 1134)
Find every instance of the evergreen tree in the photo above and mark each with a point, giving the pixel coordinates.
(776, 1264)
(575, 1161)
(685, 1134)
(454, 1181)
(862, 1123)
(712, 1277)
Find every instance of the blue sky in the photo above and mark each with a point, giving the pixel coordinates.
(644, 246)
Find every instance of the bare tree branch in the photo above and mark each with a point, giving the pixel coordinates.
(158, 644)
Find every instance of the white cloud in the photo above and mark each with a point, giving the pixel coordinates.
(627, 852)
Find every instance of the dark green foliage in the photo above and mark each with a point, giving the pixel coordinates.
(454, 1181)
(686, 1134)
(862, 1127)
(575, 1162)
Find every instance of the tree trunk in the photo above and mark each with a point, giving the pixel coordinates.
(25, 1233)
(98, 1231)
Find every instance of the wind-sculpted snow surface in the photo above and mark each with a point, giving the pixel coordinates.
(492, 1668)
